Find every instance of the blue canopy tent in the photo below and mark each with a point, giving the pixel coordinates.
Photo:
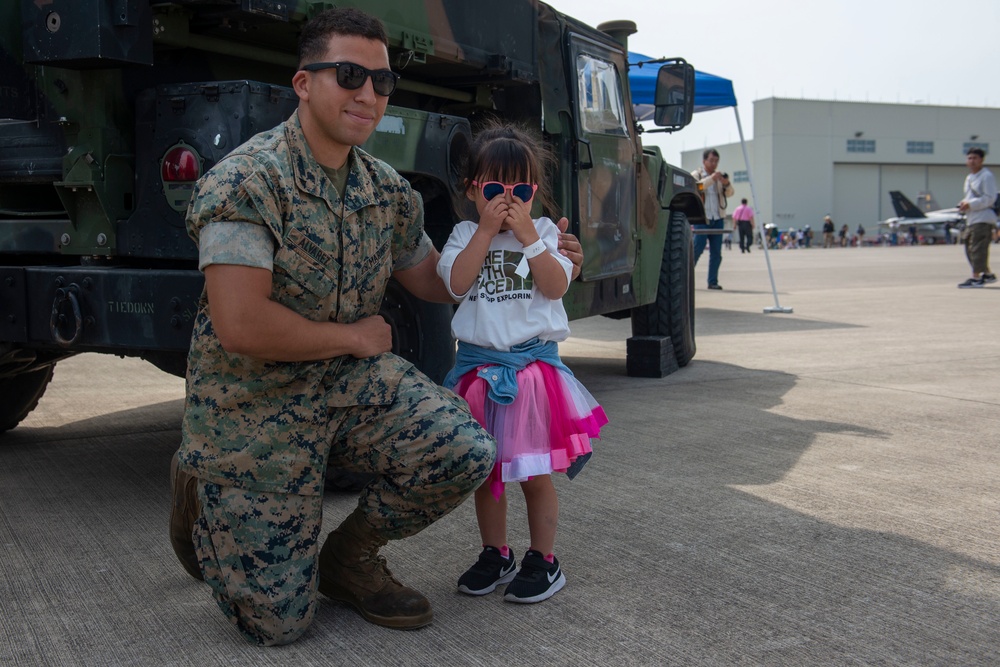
(710, 92)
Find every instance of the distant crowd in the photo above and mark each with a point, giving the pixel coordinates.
(844, 237)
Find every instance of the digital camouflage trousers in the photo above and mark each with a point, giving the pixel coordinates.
(259, 551)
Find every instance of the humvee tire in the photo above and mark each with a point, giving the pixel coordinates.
(19, 394)
(672, 314)
(421, 331)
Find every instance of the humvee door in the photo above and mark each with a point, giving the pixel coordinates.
(605, 197)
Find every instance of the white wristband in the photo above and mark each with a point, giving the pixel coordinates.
(534, 250)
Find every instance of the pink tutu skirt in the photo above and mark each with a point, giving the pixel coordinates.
(545, 429)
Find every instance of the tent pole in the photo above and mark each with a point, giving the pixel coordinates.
(777, 308)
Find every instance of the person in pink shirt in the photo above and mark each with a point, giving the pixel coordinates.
(743, 217)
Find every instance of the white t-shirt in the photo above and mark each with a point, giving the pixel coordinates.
(980, 193)
(504, 307)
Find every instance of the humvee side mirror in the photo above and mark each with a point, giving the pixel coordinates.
(674, 96)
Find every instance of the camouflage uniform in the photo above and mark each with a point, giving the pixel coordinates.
(259, 434)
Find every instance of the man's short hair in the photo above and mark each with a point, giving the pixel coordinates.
(976, 150)
(344, 21)
(709, 151)
(744, 201)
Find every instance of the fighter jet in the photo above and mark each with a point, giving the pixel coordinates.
(930, 225)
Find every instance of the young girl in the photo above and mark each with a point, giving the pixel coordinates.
(510, 278)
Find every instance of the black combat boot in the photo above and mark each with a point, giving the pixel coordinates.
(351, 571)
(184, 509)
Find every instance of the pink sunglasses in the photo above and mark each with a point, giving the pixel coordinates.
(523, 191)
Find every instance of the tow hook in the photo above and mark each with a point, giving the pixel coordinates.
(70, 323)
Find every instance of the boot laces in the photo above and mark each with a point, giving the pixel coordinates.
(374, 565)
(379, 563)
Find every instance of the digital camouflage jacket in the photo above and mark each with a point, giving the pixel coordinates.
(262, 425)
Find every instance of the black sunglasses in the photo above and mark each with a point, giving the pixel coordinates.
(352, 76)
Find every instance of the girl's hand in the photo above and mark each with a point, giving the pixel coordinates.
(519, 221)
(493, 216)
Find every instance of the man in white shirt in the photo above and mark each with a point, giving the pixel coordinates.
(980, 218)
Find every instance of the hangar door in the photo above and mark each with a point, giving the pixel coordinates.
(861, 191)
(946, 183)
(855, 195)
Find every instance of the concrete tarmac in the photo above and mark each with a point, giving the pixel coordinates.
(815, 488)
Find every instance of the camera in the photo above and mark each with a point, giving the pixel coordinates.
(725, 175)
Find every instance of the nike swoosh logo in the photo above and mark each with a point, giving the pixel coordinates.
(552, 577)
(506, 571)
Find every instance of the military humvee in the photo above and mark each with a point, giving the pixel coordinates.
(110, 110)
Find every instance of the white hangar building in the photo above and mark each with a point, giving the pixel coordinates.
(811, 158)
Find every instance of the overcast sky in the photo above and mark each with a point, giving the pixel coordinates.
(914, 52)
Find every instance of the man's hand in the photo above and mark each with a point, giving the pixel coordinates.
(569, 246)
(374, 336)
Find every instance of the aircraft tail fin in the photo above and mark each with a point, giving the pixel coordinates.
(904, 207)
(926, 202)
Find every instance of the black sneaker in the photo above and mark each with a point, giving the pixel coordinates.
(989, 278)
(715, 286)
(971, 282)
(489, 571)
(537, 579)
